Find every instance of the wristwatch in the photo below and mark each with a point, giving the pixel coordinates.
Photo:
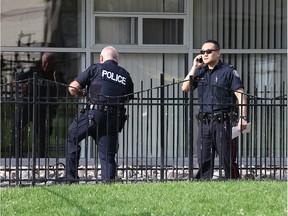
(244, 117)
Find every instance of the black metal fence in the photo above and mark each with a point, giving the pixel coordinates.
(156, 144)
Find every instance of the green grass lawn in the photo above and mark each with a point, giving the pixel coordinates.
(173, 198)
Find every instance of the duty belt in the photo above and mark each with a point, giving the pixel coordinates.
(209, 117)
(103, 108)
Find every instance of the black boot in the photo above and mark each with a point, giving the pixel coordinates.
(72, 163)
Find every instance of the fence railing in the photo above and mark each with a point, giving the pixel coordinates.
(156, 144)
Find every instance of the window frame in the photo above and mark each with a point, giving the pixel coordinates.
(139, 18)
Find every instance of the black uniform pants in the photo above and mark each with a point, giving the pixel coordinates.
(42, 126)
(102, 127)
(215, 136)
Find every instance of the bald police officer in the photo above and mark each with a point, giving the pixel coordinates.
(109, 86)
(218, 86)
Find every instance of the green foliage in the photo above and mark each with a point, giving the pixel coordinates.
(175, 198)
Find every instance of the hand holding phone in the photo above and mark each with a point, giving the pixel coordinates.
(200, 60)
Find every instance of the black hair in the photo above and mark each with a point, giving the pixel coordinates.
(216, 44)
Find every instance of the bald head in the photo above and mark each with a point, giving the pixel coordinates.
(48, 62)
(109, 53)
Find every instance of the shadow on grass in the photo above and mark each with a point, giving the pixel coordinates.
(71, 202)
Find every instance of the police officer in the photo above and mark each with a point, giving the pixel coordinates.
(46, 92)
(218, 83)
(109, 86)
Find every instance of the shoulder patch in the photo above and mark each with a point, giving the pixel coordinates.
(236, 73)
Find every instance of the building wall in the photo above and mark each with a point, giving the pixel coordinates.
(252, 34)
(152, 36)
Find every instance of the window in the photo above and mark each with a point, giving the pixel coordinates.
(42, 23)
(116, 30)
(241, 25)
(175, 6)
(139, 22)
(162, 31)
(69, 64)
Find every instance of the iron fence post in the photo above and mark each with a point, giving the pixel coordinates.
(190, 132)
(34, 134)
(16, 127)
(162, 126)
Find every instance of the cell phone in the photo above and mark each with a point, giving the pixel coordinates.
(200, 60)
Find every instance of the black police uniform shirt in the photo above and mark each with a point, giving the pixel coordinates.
(216, 88)
(106, 82)
(46, 89)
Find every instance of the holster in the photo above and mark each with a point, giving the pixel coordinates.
(122, 119)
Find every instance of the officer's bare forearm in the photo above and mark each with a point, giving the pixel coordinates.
(242, 100)
(75, 89)
(186, 83)
(243, 110)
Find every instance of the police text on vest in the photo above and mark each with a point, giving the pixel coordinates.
(115, 77)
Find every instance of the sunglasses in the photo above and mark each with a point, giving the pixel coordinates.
(208, 51)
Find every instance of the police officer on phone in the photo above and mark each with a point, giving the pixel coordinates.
(109, 88)
(218, 85)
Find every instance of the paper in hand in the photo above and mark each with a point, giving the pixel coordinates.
(236, 131)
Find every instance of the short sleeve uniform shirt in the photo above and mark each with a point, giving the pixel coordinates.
(216, 88)
(107, 82)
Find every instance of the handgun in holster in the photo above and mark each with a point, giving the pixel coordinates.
(122, 119)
